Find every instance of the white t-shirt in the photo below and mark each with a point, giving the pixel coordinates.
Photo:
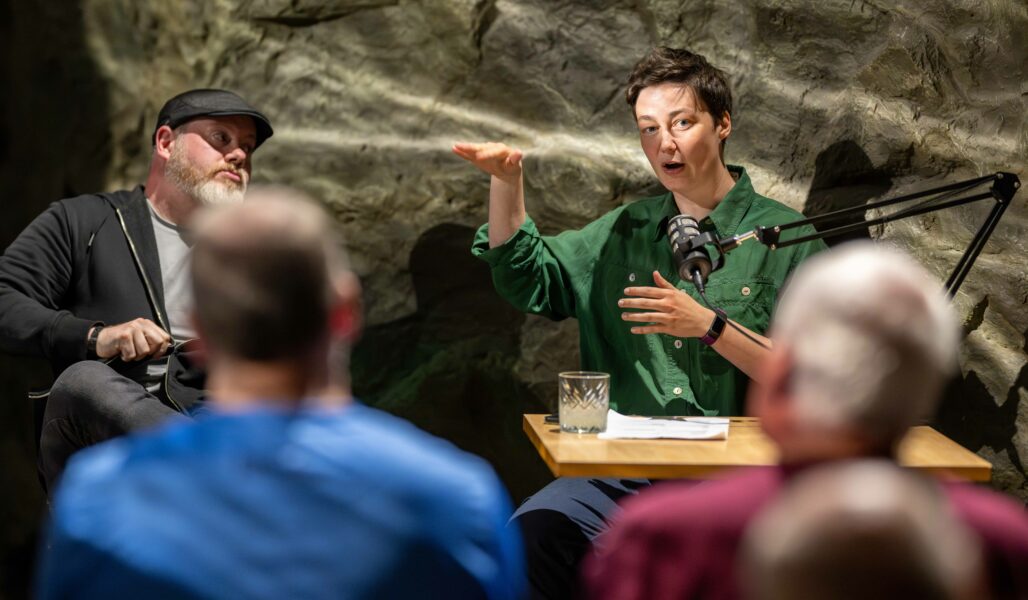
(173, 250)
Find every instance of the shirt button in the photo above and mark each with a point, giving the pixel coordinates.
(745, 291)
(677, 391)
(631, 276)
(678, 344)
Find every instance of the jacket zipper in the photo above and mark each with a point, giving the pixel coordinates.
(153, 302)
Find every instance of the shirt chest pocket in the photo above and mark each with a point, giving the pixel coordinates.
(747, 302)
(611, 279)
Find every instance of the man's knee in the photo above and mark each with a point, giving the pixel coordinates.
(83, 387)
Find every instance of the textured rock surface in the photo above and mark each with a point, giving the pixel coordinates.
(837, 102)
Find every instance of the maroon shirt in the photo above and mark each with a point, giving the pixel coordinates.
(679, 539)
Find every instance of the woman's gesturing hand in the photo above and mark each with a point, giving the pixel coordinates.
(498, 160)
(665, 309)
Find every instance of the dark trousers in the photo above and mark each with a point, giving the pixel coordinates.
(89, 403)
(559, 525)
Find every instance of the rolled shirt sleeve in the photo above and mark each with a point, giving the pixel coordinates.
(583, 273)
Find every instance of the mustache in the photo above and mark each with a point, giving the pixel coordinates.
(229, 168)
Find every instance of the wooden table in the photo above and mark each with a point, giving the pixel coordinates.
(585, 455)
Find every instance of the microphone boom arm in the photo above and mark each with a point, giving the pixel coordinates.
(1004, 185)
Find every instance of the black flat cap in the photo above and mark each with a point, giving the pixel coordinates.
(210, 103)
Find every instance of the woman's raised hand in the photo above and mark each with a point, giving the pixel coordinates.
(498, 160)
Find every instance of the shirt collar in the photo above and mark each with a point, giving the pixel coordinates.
(726, 216)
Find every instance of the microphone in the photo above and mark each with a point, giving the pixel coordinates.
(693, 262)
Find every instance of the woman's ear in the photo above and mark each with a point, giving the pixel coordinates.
(723, 126)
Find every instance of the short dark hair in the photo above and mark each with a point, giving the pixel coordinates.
(677, 65)
(263, 275)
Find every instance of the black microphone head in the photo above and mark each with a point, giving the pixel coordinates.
(680, 225)
(681, 229)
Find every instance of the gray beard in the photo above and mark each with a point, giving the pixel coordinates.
(195, 184)
(216, 193)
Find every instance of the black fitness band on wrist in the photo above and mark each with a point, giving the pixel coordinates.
(716, 327)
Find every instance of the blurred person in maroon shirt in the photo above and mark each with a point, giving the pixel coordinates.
(863, 341)
(895, 538)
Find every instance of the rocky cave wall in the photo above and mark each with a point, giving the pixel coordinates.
(837, 102)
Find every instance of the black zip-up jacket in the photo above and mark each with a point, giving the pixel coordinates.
(85, 260)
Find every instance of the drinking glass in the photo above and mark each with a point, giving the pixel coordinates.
(583, 401)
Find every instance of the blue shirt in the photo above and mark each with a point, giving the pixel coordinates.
(345, 503)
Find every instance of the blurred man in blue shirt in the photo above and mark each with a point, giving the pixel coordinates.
(288, 488)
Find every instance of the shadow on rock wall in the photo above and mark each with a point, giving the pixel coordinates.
(844, 177)
(53, 143)
(449, 367)
(970, 415)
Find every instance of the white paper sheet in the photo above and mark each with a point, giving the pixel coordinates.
(620, 426)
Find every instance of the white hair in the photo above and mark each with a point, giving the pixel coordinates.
(872, 337)
(865, 529)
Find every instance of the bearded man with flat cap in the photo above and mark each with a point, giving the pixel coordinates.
(98, 284)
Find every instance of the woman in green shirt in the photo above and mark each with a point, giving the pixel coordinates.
(637, 320)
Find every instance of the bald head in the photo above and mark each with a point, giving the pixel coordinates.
(860, 530)
(265, 275)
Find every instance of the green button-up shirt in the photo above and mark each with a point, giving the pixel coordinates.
(583, 274)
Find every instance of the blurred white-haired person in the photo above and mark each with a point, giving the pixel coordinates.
(864, 340)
